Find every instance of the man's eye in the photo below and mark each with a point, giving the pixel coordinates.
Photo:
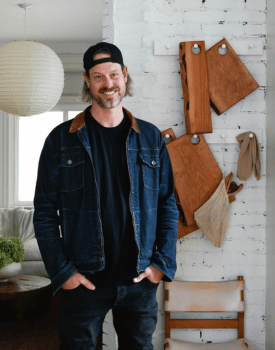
(97, 77)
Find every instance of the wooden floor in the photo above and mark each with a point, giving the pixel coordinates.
(38, 330)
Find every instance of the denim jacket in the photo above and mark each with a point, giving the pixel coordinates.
(67, 218)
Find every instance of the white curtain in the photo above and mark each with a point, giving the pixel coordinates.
(7, 158)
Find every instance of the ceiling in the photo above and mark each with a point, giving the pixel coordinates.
(53, 21)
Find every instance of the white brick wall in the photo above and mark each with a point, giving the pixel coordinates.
(158, 99)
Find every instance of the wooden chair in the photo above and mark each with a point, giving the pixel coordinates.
(227, 296)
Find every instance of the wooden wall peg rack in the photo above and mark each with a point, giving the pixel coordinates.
(241, 47)
(216, 135)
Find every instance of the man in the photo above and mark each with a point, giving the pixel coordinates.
(106, 180)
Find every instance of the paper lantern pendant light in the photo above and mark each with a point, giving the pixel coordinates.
(31, 78)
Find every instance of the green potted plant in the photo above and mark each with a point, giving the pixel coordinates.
(11, 254)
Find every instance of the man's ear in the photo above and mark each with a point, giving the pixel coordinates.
(86, 79)
(125, 73)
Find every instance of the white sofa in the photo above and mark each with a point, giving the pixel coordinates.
(19, 222)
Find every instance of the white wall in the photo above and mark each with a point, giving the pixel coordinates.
(158, 99)
(270, 122)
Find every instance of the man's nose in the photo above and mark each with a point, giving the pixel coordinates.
(108, 82)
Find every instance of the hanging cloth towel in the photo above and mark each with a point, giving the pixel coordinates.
(249, 158)
(212, 217)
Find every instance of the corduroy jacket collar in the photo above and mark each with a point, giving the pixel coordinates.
(79, 121)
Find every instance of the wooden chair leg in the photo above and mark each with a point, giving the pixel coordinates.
(241, 325)
(167, 324)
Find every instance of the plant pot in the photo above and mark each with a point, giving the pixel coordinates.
(10, 270)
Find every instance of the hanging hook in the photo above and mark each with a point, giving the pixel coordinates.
(251, 135)
(222, 50)
(195, 139)
(196, 49)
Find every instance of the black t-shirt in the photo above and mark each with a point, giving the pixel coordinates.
(108, 147)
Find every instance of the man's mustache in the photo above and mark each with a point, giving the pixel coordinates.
(108, 90)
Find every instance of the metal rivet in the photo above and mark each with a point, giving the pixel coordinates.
(69, 162)
(153, 162)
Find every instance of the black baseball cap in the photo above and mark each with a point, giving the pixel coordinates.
(89, 61)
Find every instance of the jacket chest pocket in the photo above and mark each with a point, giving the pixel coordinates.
(150, 171)
(72, 172)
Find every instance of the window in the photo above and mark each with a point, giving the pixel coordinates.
(32, 132)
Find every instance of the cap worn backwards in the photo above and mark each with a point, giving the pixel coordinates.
(115, 55)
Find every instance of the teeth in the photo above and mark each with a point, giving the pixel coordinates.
(109, 93)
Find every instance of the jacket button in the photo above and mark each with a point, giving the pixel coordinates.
(69, 162)
(153, 162)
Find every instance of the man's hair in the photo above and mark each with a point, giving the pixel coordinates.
(86, 94)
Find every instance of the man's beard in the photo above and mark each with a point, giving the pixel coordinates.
(111, 103)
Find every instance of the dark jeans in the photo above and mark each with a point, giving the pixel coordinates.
(134, 309)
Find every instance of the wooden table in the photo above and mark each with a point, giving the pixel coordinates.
(25, 291)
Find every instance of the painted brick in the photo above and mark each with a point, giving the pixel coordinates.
(133, 40)
(163, 18)
(223, 5)
(108, 7)
(139, 28)
(234, 259)
(255, 5)
(255, 297)
(180, 31)
(254, 193)
(244, 233)
(257, 30)
(255, 284)
(245, 246)
(189, 258)
(246, 16)
(199, 273)
(129, 17)
(249, 219)
(224, 30)
(257, 95)
(121, 5)
(204, 16)
(241, 207)
(179, 5)
(255, 311)
(246, 270)
(106, 21)
(136, 56)
(238, 120)
(256, 106)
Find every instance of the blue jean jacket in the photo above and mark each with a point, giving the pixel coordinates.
(67, 218)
